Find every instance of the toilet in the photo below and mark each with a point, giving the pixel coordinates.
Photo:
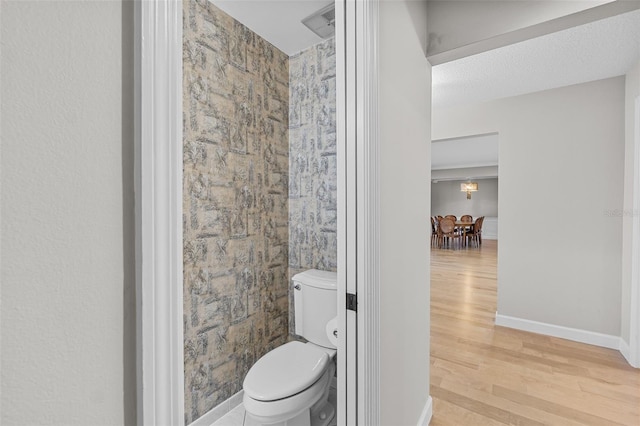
(289, 386)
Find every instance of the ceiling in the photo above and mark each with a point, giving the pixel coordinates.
(600, 49)
(474, 151)
(277, 21)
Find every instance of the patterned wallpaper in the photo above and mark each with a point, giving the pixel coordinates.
(312, 166)
(236, 166)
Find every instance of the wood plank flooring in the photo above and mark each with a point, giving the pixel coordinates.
(482, 374)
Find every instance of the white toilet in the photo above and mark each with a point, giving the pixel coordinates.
(289, 386)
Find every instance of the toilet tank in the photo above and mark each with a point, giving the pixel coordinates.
(315, 304)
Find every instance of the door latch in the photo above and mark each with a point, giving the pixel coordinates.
(352, 302)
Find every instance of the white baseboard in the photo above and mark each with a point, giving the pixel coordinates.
(575, 334)
(625, 350)
(213, 415)
(427, 413)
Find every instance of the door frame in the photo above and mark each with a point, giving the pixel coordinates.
(633, 354)
(158, 198)
(158, 202)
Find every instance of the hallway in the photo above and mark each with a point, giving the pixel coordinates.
(487, 375)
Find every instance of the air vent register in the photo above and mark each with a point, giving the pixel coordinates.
(322, 22)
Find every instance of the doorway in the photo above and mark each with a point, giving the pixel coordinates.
(456, 162)
(236, 150)
(260, 183)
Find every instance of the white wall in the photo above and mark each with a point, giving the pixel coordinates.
(632, 91)
(405, 85)
(67, 214)
(561, 163)
(446, 198)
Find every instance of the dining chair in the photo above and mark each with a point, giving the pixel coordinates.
(480, 230)
(452, 217)
(476, 232)
(467, 229)
(434, 231)
(446, 232)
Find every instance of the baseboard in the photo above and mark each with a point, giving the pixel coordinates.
(213, 415)
(427, 413)
(625, 350)
(575, 334)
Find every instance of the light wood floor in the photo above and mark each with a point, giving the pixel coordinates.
(482, 374)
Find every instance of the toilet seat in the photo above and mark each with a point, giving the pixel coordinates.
(269, 412)
(285, 371)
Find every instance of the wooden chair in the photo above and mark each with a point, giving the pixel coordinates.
(476, 232)
(434, 232)
(446, 232)
(452, 217)
(467, 218)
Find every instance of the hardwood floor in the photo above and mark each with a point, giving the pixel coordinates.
(482, 374)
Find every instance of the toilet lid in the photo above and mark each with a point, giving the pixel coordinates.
(285, 371)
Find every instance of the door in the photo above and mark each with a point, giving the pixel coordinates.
(347, 278)
(358, 277)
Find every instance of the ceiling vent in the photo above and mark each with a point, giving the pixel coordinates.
(322, 22)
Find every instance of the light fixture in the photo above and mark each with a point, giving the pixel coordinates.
(469, 187)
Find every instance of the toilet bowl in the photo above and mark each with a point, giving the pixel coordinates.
(289, 386)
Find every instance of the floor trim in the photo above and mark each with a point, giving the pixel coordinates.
(577, 335)
(625, 350)
(427, 413)
(213, 415)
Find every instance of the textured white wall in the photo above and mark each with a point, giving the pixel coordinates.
(405, 85)
(566, 147)
(632, 91)
(65, 128)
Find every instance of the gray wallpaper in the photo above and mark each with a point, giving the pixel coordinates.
(312, 166)
(259, 194)
(236, 167)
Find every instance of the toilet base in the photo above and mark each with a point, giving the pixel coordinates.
(323, 415)
(316, 416)
(319, 398)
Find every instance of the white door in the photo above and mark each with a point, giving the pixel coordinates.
(345, 117)
(358, 349)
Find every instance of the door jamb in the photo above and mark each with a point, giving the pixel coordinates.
(634, 314)
(158, 201)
